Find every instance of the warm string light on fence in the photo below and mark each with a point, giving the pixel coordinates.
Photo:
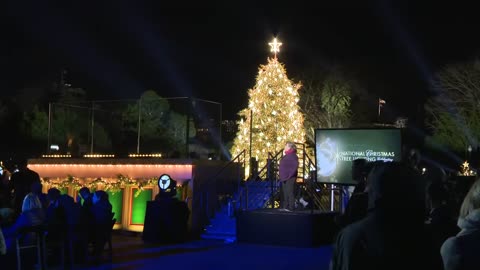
(144, 155)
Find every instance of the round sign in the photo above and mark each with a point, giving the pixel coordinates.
(164, 181)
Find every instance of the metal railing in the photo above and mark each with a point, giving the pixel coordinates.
(212, 199)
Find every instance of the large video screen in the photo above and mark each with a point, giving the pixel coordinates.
(335, 149)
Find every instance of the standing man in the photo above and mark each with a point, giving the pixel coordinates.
(21, 182)
(288, 170)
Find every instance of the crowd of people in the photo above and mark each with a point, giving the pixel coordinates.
(400, 217)
(81, 223)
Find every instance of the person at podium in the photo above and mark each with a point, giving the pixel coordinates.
(288, 171)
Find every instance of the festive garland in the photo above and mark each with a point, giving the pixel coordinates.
(112, 186)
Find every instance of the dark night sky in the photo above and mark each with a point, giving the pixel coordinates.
(212, 51)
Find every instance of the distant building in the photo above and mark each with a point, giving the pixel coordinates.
(229, 130)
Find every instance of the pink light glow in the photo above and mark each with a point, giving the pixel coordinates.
(176, 171)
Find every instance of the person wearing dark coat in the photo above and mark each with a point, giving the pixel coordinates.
(56, 216)
(359, 174)
(21, 183)
(357, 205)
(102, 221)
(392, 235)
(288, 170)
(86, 213)
(461, 251)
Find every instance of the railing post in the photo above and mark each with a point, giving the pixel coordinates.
(271, 178)
(332, 197)
(312, 188)
(239, 180)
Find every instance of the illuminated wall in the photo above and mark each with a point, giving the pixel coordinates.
(91, 168)
(129, 209)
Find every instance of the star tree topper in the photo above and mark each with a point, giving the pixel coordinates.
(275, 46)
(465, 165)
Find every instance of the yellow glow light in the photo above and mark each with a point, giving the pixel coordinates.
(56, 156)
(98, 156)
(144, 155)
(275, 115)
(275, 46)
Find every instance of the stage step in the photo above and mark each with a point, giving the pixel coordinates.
(221, 227)
(258, 193)
(224, 237)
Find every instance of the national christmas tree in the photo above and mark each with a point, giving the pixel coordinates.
(273, 116)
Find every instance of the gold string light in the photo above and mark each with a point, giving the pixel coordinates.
(273, 113)
(56, 156)
(109, 184)
(98, 156)
(145, 155)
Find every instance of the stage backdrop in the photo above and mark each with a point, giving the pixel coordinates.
(335, 149)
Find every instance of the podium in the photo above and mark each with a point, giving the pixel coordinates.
(166, 221)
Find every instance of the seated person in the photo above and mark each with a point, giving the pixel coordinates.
(37, 190)
(32, 215)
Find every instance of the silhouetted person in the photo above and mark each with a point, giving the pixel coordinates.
(102, 221)
(392, 234)
(461, 251)
(56, 216)
(85, 194)
(357, 206)
(5, 198)
(359, 174)
(86, 213)
(21, 182)
(37, 190)
(52, 195)
(413, 159)
(32, 215)
(440, 222)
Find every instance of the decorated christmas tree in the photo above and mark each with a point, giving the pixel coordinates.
(273, 116)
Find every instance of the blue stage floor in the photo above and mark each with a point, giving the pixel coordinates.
(131, 253)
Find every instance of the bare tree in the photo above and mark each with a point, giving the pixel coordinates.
(326, 103)
(453, 114)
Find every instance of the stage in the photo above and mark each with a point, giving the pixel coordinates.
(277, 227)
